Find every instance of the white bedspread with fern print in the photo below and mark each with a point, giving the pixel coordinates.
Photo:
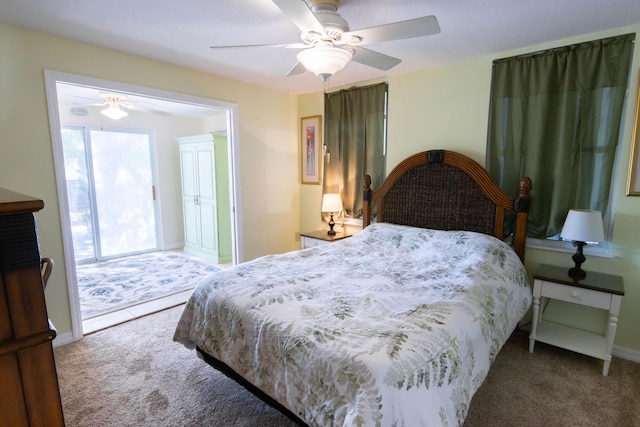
(395, 326)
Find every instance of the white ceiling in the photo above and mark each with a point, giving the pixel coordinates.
(181, 32)
(87, 97)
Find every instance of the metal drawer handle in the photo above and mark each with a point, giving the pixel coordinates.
(46, 267)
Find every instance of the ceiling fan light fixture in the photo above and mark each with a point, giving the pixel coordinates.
(114, 112)
(324, 61)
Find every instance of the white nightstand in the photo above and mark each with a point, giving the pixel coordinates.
(597, 290)
(320, 237)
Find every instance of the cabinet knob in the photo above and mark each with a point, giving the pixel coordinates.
(575, 294)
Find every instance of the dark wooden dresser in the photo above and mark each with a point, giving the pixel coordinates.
(29, 394)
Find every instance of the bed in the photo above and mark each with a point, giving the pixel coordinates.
(397, 325)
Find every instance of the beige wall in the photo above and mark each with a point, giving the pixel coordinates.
(447, 107)
(443, 107)
(267, 140)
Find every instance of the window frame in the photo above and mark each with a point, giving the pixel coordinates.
(602, 249)
(605, 248)
(343, 217)
(346, 219)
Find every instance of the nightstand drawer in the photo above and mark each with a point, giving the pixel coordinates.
(576, 295)
(309, 242)
(320, 237)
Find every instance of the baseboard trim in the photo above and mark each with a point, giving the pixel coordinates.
(173, 246)
(63, 339)
(626, 353)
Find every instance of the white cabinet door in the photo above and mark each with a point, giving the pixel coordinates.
(197, 156)
(205, 156)
(189, 194)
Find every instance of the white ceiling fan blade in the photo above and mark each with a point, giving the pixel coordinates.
(140, 108)
(258, 45)
(374, 59)
(132, 107)
(95, 104)
(85, 98)
(301, 15)
(298, 46)
(418, 27)
(297, 69)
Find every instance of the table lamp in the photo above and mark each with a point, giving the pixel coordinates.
(331, 203)
(582, 226)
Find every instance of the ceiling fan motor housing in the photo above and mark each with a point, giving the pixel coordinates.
(326, 11)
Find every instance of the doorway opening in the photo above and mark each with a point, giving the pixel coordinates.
(94, 154)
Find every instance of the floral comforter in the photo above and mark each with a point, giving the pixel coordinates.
(395, 326)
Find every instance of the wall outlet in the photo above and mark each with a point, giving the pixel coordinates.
(297, 236)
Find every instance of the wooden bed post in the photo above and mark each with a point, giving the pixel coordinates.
(521, 206)
(366, 201)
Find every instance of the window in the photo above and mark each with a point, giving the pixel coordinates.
(556, 116)
(355, 142)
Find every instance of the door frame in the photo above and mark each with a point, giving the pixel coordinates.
(51, 79)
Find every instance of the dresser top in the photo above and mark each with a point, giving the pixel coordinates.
(13, 203)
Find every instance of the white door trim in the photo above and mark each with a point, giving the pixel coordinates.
(54, 77)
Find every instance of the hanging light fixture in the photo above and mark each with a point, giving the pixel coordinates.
(324, 60)
(114, 113)
(113, 110)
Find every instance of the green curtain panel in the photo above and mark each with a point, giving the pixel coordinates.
(354, 142)
(556, 116)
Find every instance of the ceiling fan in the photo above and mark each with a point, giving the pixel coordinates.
(114, 101)
(115, 104)
(328, 44)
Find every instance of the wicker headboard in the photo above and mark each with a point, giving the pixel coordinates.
(446, 190)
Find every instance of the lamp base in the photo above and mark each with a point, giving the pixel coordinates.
(578, 258)
(577, 273)
(331, 231)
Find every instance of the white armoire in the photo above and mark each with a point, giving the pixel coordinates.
(205, 196)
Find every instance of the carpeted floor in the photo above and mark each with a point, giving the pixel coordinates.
(112, 285)
(135, 375)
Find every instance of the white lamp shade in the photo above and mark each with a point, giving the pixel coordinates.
(583, 226)
(324, 61)
(114, 113)
(331, 202)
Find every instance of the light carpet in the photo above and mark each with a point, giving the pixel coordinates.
(115, 284)
(135, 375)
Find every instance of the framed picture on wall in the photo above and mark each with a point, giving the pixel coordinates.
(310, 148)
(633, 181)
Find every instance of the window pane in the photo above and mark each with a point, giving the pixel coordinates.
(555, 116)
(123, 187)
(75, 165)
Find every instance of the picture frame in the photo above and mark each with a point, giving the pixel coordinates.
(310, 149)
(633, 180)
